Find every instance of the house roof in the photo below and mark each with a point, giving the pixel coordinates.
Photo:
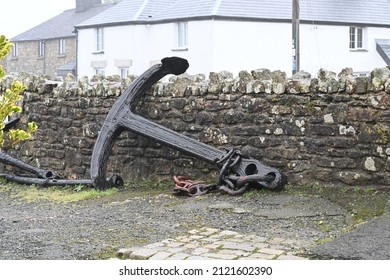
(375, 12)
(60, 26)
(383, 48)
(71, 66)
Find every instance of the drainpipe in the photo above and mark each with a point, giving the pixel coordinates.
(44, 56)
(295, 37)
(77, 52)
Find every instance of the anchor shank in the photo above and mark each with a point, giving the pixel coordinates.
(168, 137)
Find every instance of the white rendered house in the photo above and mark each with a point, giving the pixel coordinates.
(216, 35)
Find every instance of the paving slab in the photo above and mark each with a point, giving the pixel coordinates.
(225, 246)
(370, 241)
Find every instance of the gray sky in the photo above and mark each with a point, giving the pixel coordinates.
(18, 16)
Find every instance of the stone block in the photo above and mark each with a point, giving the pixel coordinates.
(143, 254)
(262, 113)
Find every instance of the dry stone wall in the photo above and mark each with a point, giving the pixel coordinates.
(332, 129)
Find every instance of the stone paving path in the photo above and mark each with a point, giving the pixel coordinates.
(210, 243)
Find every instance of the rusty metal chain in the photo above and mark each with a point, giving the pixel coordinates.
(186, 186)
(228, 181)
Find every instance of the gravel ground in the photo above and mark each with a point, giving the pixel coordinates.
(96, 228)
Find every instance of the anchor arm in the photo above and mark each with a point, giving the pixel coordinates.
(42, 173)
(112, 127)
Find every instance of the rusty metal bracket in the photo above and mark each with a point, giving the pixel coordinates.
(237, 170)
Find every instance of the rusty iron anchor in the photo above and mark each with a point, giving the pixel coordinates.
(9, 160)
(237, 171)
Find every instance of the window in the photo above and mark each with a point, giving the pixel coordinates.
(15, 50)
(182, 34)
(99, 71)
(361, 74)
(41, 48)
(356, 38)
(99, 39)
(61, 46)
(124, 72)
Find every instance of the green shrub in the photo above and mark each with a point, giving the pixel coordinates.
(8, 105)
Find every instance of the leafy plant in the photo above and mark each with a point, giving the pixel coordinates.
(8, 105)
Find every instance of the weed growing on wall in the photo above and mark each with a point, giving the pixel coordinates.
(8, 105)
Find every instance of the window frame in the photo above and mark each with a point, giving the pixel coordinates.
(41, 48)
(181, 35)
(124, 72)
(15, 50)
(61, 46)
(99, 39)
(99, 71)
(357, 36)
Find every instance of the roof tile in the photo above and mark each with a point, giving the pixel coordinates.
(60, 26)
(346, 11)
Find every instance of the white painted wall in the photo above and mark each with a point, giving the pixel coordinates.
(251, 45)
(327, 46)
(120, 43)
(216, 45)
(145, 45)
(84, 52)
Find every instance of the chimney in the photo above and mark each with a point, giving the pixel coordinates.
(83, 5)
(96, 2)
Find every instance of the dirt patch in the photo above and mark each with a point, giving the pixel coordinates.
(95, 227)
